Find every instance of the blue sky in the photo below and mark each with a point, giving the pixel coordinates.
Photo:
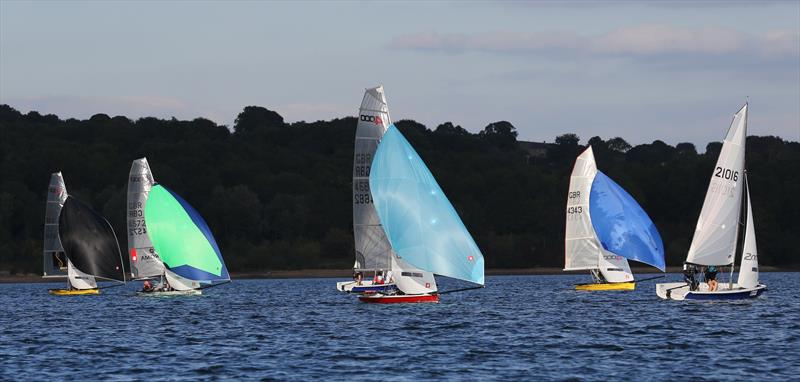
(675, 71)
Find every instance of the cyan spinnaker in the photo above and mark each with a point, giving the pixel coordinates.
(622, 227)
(421, 224)
(182, 238)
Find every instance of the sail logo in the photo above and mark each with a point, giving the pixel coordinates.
(56, 190)
(372, 118)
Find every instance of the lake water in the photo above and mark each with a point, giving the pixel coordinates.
(518, 328)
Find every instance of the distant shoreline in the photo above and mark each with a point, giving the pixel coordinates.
(5, 277)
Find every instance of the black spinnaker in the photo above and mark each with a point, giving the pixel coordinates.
(89, 241)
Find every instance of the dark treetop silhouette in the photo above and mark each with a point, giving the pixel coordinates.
(277, 195)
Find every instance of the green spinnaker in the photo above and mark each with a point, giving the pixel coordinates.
(175, 236)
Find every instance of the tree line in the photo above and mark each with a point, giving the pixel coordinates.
(278, 195)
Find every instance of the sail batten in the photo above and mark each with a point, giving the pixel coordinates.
(714, 241)
(422, 226)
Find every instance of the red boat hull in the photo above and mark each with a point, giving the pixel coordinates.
(400, 299)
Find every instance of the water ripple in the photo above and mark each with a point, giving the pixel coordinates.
(518, 328)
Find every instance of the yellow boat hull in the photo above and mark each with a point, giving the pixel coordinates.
(73, 292)
(631, 285)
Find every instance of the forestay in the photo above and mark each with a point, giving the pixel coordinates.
(372, 247)
(54, 260)
(89, 241)
(714, 241)
(144, 260)
(621, 226)
(421, 224)
(183, 241)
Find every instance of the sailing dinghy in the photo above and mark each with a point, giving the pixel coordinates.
(422, 226)
(191, 258)
(373, 250)
(606, 228)
(724, 229)
(89, 245)
(145, 264)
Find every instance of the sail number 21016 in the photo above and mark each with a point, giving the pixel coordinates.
(726, 173)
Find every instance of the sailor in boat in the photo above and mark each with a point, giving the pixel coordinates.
(689, 275)
(147, 287)
(597, 276)
(711, 278)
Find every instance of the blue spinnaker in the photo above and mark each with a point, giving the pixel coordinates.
(621, 225)
(421, 224)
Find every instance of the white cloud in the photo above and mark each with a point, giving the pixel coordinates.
(636, 41)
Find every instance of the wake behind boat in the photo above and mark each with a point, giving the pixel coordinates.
(724, 229)
(606, 228)
(422, 226)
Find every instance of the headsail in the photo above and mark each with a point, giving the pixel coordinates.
(54, 260)
(748, 272)
(89, 241)
(144, 261)
(421, 224)
(411, 280)
(372, 247)
(714, 241)
(621, 225)
(183, 241)
(78, 279)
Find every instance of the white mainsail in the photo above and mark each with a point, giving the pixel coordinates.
(714, 241)
(373, 250)
(748, 271)
(582, 248)
(54, 259)
(144, 260)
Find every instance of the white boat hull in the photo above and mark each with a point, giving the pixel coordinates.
(680, 291)
(191, 292)
(365, 287)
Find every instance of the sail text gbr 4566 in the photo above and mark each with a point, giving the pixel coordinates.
(423, 227)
